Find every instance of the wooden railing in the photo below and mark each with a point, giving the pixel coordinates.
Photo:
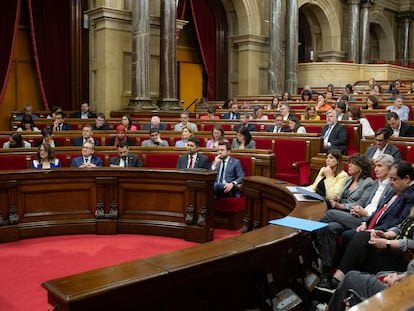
(220, 275)
(107, 201)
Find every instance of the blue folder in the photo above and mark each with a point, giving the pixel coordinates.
(299, 223)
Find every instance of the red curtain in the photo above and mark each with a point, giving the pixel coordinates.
(205, 27)
(50, 27)
(9, 19)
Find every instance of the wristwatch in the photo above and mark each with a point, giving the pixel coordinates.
(234, 183)
(388, 244)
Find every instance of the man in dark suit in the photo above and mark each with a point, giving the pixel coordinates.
(59, 123)
(230, 173)
(278, 127)
(193, 159)
(100, 123)
(285, 112)
(87, 135)
(397, 127)
(234, 114)
(124, 158)
(244, 121)
(382, 146)
(333, 133)
(84, 112)
(155, 123)
(87, 159)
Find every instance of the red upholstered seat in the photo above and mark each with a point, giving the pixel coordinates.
(351, 148)
(291, 161)
(157, 160)
(263, 143)
(13, 162)
(376, 121)
(229, 212)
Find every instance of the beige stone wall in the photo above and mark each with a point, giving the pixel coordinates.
(110, 47)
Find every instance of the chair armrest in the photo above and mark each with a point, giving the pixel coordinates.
(299, 164)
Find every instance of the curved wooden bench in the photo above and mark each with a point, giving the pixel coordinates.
(219, 275)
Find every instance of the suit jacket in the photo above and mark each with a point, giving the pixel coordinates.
(397, 212)
(161, 127)
(250, 127)
(234, 171)
(406, 130)
(104, 127)
(78, 161)
(389, 149)
(338, 137)
(356, 193)
(370, 193)
(78, 114)
(201, 161)
(227, 115)
(78, 141)
(271, 128)
(133, 160)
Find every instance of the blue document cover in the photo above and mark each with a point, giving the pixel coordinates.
(299, 223)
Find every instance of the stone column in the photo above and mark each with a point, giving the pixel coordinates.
(140, 88)
(291, 55)
(405, 19)
(275, 48)
(353, 30)
(168, 58)
(365, 6)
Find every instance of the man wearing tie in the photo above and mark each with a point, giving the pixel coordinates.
(124, 158)
(193, 159)
(234, 113)
(382, 146)
(87, 159)
(59, 123)
(230, 172)
(278, 126)
(334, 134)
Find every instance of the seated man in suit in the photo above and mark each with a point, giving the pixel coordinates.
(285, 112)
(334, 134)
(100, 123)
(87, 135)
(155, 139)
(27, 111)
(230, 172)
(278, 127)
(234, 114)
(193, 159)
(84, 112)
(397, 127)
(59, 123)
(155, 123)
(244, 121)
(124, 158)
(87, 159)
(382, 146)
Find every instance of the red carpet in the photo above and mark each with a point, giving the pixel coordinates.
(25, 264)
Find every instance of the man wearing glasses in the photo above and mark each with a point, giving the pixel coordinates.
(155, 139)
(382, 146)
(87, 159)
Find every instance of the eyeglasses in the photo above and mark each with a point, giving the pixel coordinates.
(154, 135)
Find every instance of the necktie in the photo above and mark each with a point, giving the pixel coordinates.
(328, 132)
(59, 128)
(190, 165)
(221, 175)
(86, 160)
(380, 212)
(126, 162)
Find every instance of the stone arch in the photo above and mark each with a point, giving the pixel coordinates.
(324, 24)
(252, 19)
(381, 27)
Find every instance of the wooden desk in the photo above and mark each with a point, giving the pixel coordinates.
(106, 201)
(219, 275)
